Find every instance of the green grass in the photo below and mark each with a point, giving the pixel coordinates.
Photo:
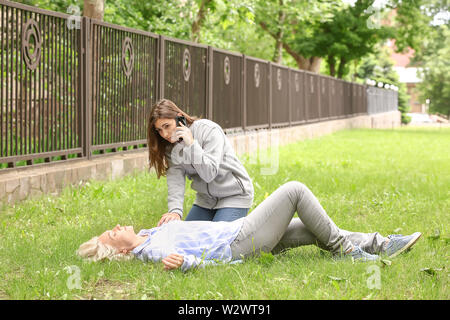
(390, 181)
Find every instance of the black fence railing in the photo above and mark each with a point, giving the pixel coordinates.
(381, 100)
(70, 93)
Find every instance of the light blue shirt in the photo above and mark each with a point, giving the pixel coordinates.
(199, 242)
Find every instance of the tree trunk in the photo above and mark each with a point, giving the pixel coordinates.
(332, 65)
(278, 54)
(315, 64)
(341, 69)
(94, 9)
(195, 29)
(310, 64)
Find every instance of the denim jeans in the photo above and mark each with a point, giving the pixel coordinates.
(224, 214)
(270, 227)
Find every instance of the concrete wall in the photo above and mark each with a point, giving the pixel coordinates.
(24, 183)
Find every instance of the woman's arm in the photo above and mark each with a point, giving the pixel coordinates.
(176, 182)
(190, 261)
(206, 159)
(175, 261)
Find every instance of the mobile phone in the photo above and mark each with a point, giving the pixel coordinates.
(178, 120)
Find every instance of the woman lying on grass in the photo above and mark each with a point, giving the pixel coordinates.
(268, 228)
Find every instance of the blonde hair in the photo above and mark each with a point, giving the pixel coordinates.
(95, 250)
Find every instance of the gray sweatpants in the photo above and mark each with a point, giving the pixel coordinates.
(270, 227)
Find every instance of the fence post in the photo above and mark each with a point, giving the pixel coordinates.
(319, 93)
(364, 98)
(351, 100)
(305, 106)
(209, 83)
(161, 55)
(158, 69)
(244, 93)
(332, 106)
(270, 95)
(289, 85)
(86, 79)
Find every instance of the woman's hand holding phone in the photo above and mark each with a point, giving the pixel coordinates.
(185, 133)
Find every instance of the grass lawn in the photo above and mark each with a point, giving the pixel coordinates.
(390, 181)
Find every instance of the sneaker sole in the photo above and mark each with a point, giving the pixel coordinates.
(409, 245)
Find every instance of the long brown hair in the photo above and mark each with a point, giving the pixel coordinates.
(157, 145)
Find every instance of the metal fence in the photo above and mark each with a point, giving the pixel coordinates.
(122, 83)
(381, 100)
(40, 71)
(184, 78)
(257, 93)
(70, 93)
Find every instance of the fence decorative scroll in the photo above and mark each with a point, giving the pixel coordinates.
(226, 70)
(279, 82)
(31, 53)
(186, 64)
(257, 75)
(297, 83)
(127, 56)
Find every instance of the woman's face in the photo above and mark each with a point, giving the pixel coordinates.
(166, 129)
(121, 238)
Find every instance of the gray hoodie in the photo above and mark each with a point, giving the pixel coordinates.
(210, 162)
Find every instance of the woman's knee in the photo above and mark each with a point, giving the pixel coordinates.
(295, 190)
(296, 185)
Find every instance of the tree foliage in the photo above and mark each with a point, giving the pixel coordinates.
(298, 33)
(350, 35)
(436, 71)
(292, 23)
(232, 26)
